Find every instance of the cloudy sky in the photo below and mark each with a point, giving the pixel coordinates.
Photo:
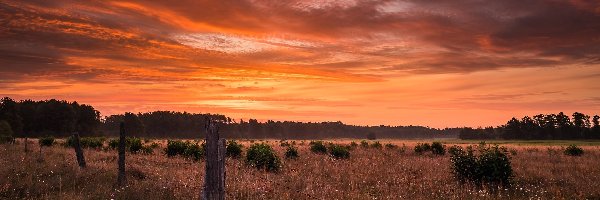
(420, 62)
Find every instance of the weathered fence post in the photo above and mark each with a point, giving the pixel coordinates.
(78, 151)
(214, 180)
(121, 180)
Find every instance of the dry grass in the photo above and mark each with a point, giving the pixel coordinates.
(368, 174)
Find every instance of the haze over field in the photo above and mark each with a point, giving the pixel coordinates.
(438, 64)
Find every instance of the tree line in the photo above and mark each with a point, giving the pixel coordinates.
(59, 118)
(28, 118)
(540, 127)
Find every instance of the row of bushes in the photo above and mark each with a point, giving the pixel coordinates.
(186, 149)
(197, 151)
(133, 145)
(86, 142)
(262, 156)
(335, 150)
(436, 148)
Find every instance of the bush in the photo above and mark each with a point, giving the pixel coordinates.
(318, 147)
(262, 156)
(291, 152)
(46, 141)
(87, 142)
(490, 166)
(376, 145)
(353, 144)
(134, 144)
(147, 150)
(422, 148)
(339, 152)
(193, 151)
(454, 149)
(189, 150)
(364, 144)
(390, 146)
(234, 149)
(113, 143)
(438, 148)
(154, 145)
(175, 147)
(573, 150)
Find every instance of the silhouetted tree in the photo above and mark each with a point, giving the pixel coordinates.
(596, 127)
(133, 125)
(9, 112)
(550, 126)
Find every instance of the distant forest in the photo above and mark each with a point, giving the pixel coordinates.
(540, 127)
(61, 118)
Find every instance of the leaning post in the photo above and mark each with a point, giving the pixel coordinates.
(78, 150)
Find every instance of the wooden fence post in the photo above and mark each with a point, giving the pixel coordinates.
(78, 151)
(214, 180)
(121, 179)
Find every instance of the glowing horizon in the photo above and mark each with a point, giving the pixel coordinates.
(437, 64)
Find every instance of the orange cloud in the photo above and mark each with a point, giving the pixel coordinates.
(361, 62)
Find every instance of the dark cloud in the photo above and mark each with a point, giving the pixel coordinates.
(39, 37)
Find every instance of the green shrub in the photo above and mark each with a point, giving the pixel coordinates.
(376, 145)
(318, 147)
(113, 143)
(86, 142)
(291, 152)
(189, 150)
(262, 156)
(147, 150)
(193, 151)
(438, 148)
(353, 144)
(134, 144)
(422, 148)
(46, 141)
(154, 145)
(175, 147)
(390, 146)
(573, 150)
(234, 149)
(454, 149)
(364, 144)
(339, 152)
(491, 165)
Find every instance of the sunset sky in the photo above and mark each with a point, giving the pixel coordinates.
(421, 62)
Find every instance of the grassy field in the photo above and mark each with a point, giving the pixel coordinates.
(541, 172)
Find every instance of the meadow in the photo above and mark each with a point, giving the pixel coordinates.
(541, 171)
